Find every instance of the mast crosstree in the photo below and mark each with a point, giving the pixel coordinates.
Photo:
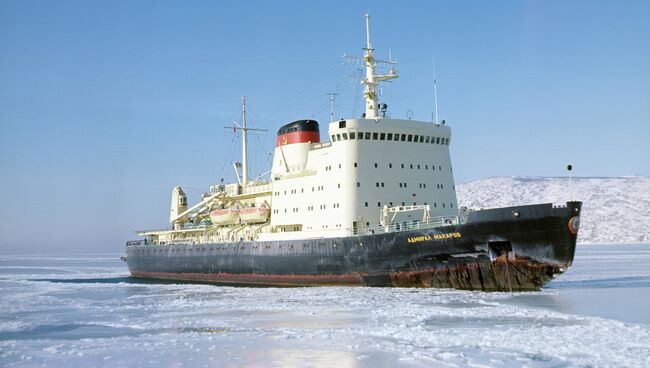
(244, 143)
(372, 80)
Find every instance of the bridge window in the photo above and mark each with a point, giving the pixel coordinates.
(367, 135)
(409, 138)
(382, 136)
(333, 138)
(389, 137)
(403, 137)
(428, 139)
(360, 135)
(352, 135)
(374, 136)
(415, 138)
(345, 136)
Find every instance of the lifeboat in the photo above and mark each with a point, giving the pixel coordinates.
(253, 215)
(226, 216)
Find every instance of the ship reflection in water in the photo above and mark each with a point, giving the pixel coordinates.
(81, 311)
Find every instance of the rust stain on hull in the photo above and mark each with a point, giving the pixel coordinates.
(500, 275)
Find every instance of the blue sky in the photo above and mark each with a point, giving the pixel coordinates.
(105, 106)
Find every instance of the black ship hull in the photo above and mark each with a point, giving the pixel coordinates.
(504, 249)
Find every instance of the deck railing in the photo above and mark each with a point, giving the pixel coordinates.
(410, 225)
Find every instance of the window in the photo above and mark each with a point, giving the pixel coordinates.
(451, 205)
(396, 137)
(377, 185)
(333, 138)
(367, 135)
(421, 139)
(400, 185)
(415, 138)
(382, 184)
(374, 136)
(358, 185)
(378, 204)
(338, 136)
(389, 137)
(409, 138)
(345, 136)
(382, 136)
(366, 204)
(439, 167)
(435, 204)
(341, 124)
(339, 185)
(427, 141)
(390, 166)
(360, 135)
(411, 166)
(355, 164)
(403, 137)
(437, 140)
(418, 166)
(443, 205)
(376, 165)
(352, 135)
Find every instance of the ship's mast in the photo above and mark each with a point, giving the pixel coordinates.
(435, 92)
(372, 79)
(244, 144)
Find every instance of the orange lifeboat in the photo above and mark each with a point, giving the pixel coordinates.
(253, 215)
(226, 216)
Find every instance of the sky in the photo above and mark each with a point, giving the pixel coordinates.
(105, 106)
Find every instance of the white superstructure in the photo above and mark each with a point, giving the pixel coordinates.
(365, 169)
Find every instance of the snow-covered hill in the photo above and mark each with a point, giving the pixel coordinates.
(615, 210)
